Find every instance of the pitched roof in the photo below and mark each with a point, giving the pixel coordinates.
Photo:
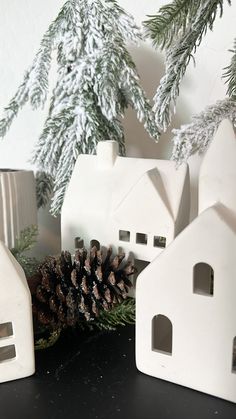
(217, 177)
(106, 186)
(11, 274)
(216, 221)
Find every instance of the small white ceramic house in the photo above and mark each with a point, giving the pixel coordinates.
(136, 204)
(16, 328)
(185, 299)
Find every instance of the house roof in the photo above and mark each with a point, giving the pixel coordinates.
(12, 276)
(149, 185)
(217, 177)
(107, 179)
(217, 222)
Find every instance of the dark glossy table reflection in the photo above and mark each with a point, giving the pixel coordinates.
(93, 376)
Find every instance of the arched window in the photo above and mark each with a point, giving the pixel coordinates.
(162, 334)
(95, 243)
(234, 356)
(203, 279)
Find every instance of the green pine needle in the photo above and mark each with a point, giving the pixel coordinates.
(44, 188)
(170, 21)
(26, 240)
(120, 315)
(230, 74)
(181, 48)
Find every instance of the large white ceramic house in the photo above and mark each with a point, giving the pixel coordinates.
(137, 204)
(16, 328)
(185, 298)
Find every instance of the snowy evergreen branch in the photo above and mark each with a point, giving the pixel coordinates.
(230, 74)
(171, 21)
(35, 83)
(97, 80)
(44, 188)
(196, 136)
(177, 60)
(16, 103)
(196, 19)
(26, 240)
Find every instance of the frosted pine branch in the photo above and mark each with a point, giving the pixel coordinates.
(196, 136)
(97, 80)
(34, 87)
(16, 103)
(171, 21)
(177, 60)
(230, 73)
(44, 188)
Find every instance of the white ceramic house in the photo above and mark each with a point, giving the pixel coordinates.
(185, 299)
(18, 208)
(136, 204)
(16, 328)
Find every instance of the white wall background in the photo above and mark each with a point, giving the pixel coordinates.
(22, 24)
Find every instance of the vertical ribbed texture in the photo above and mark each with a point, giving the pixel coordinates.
(17, 204)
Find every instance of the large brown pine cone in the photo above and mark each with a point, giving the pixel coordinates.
(73, 289)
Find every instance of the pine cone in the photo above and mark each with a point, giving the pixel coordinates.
(70, 290)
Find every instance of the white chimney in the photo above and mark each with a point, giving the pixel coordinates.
(107, 152)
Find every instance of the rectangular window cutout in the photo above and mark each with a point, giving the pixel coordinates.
(7, 353)
(79, 243)
(162, 334)
(234, 356)
(124, 235)
(159, 241)
(6, 330)
(141, 238)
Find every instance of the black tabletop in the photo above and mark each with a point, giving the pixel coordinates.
(93, 376)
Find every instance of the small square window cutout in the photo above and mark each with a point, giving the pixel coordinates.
(6, 330)
(7, 353)
(141, 238)
(124, 235)
(159, 241)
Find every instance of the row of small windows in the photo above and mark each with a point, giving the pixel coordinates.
(142, 238)
(203, 273)
(162, 337)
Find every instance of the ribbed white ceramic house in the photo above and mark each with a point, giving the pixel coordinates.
(137, 204)
(16, 328)
(18, 208)
(185, 298)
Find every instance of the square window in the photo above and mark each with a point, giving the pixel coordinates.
(141, 238)
(6, 330)
(124, 235)
(7, 352)
(159, 241)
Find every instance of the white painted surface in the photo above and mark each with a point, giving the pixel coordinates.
(203, 325)
(108, 194)
(203, 316)
(15, 308)
(22, 24)
(217, 177)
